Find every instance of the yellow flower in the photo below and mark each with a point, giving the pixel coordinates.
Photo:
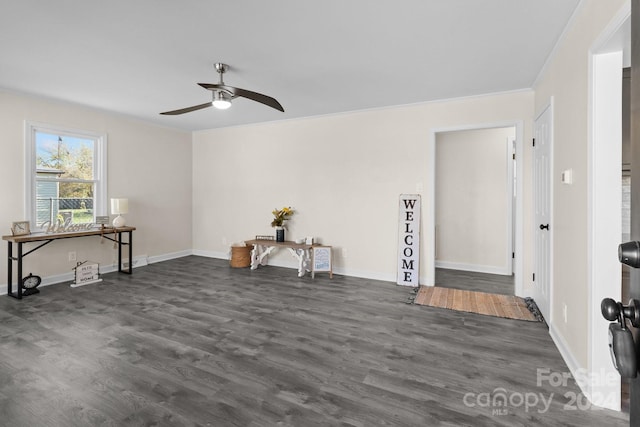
(281, 215)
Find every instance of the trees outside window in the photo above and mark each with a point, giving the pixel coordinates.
(66, 179)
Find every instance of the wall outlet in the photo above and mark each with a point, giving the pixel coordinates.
(224, 241)
(72, 256)
(564, 312)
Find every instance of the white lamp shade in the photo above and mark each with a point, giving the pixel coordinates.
(221, 100)
(119, 206)
(222, 104)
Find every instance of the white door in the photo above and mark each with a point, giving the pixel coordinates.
(542, 210)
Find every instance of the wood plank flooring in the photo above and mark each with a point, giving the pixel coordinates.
(474, 281)
(193, 342)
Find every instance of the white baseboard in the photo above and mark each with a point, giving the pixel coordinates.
(565, 352)
(211, 254)
(294, 265)
(593, 385)
(139, 261)
(364, 274)
(572, 363)
(473, 267)
(143, 260)
(167, 257)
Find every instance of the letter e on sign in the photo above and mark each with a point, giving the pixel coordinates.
(409, 240)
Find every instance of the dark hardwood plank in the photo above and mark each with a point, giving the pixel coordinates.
(193, 342)
(474, 281)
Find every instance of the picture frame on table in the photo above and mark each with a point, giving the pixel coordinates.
(20, 228)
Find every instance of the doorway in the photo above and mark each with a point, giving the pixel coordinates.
(476, 209)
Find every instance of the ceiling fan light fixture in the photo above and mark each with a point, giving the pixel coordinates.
(223, 94)
(220, 100)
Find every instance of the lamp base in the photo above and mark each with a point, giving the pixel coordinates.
(119, 221)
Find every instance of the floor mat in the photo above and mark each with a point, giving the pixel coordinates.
(506, 306)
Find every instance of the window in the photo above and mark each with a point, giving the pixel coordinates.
(65, 176)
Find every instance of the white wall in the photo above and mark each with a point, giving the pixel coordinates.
(148, 164)
(342, 174)
(472, 200)
(566, 78)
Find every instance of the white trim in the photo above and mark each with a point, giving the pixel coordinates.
(510, 250)
(139, 261)
(29, 172)
(100, 171)
(212, 254)
(604, 205)
(367, 110)
(519, 211)
(604, 218)
(565, 351)
(616, 24)
(166, 257)
(490, 269)
(362, 274)
(429, 235)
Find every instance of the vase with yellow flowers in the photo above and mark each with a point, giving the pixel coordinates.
(279, 217)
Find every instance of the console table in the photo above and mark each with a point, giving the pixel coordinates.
(48, 238)
(262, 249)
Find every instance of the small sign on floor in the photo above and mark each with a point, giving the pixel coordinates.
(321, 260)
(86, 272)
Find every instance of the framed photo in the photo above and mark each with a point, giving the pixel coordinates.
(20, 228)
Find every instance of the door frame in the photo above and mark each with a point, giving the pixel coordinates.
(604, 206)
(518, 228)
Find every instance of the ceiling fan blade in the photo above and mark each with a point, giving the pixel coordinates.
(218, 86)
(187, 110)
(254, 96)
(258, 97)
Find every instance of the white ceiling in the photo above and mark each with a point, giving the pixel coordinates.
(141, 57)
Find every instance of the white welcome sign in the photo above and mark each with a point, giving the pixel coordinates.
(409, 240)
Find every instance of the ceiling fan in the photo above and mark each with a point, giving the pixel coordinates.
(223, 94)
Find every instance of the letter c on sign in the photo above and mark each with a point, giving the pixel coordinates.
(407, 238)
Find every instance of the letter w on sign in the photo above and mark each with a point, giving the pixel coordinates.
(409, 240)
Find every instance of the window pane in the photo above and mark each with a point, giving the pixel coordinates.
(64, 156)
(64, 200)
(66, 178)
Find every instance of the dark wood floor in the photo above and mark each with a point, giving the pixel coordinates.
(474, 281)
(194, 342)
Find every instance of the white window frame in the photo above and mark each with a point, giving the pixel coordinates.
(99, 164)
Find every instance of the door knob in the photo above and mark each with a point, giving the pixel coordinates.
(629, 253)
(615, 311)
(621, 343)
(544, 226)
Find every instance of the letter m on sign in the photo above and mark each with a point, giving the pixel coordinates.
(409, 240)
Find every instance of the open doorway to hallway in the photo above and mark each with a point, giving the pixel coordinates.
(475, 199)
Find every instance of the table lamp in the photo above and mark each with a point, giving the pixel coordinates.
(119, 207)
